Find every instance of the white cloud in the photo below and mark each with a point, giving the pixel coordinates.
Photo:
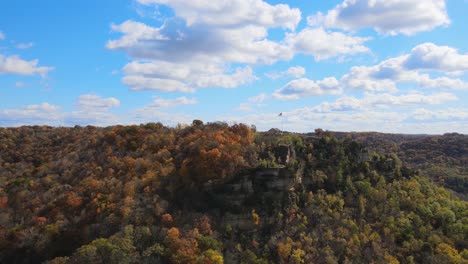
(196, 48)
(409, 99)
(233, 13)
(409, 68)
(46, 107)
(175, 41)
(386, 17)
(413, 68)
(15, 65)
(295, 71)
(153, 113)
(446, 114)
(324, 44)
(90, 109)
(380, 77)
(345, 103)
(93, 102)
(134, 32)
(37, 114)
(305, 87)
(429, 56)
(441, 83)
(345, 119)
(383, 101)
(25, 45)
(145, 115)
(98, 118)
(141, 83)
(390, 121)
(169, 76)
(170, 103)
(306, 120)
(373, 112)
(2, 36)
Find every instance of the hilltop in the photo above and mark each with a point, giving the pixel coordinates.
(214, 193)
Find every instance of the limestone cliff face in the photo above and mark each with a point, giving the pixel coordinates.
(275, 189)
(264, 189)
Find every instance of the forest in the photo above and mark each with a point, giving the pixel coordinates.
(219, 193)
(442, 158)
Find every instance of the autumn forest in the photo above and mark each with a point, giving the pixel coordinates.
(219, 193)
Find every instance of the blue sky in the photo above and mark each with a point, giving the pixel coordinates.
(396, 66)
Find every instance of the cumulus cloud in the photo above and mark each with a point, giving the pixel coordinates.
(375, 101)
(296, 71)
(305, 87)
(409, 99)
(140, 83)
(46, 107)
(386, 17)
(93, 102)
(134, 32)
(170, 76)
(90, 109)
(429, 56)
(16, 65)
(414, 68)
(176, 41)
(445, 114)
(170, 103)
(324, 44)
(241, 12)
(196, 48)
(36, 114)
(441, 82)
(410, 68)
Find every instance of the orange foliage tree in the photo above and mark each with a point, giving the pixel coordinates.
(210, 153)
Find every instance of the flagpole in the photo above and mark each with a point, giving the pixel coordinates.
(282, 122)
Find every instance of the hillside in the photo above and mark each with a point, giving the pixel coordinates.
(213, 193)
(443, 159)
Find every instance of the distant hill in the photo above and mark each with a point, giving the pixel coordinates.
(441, 158)
(214, 193)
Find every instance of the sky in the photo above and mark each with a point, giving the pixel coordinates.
(396, 66)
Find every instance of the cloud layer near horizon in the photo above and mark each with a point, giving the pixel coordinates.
(247, 60)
